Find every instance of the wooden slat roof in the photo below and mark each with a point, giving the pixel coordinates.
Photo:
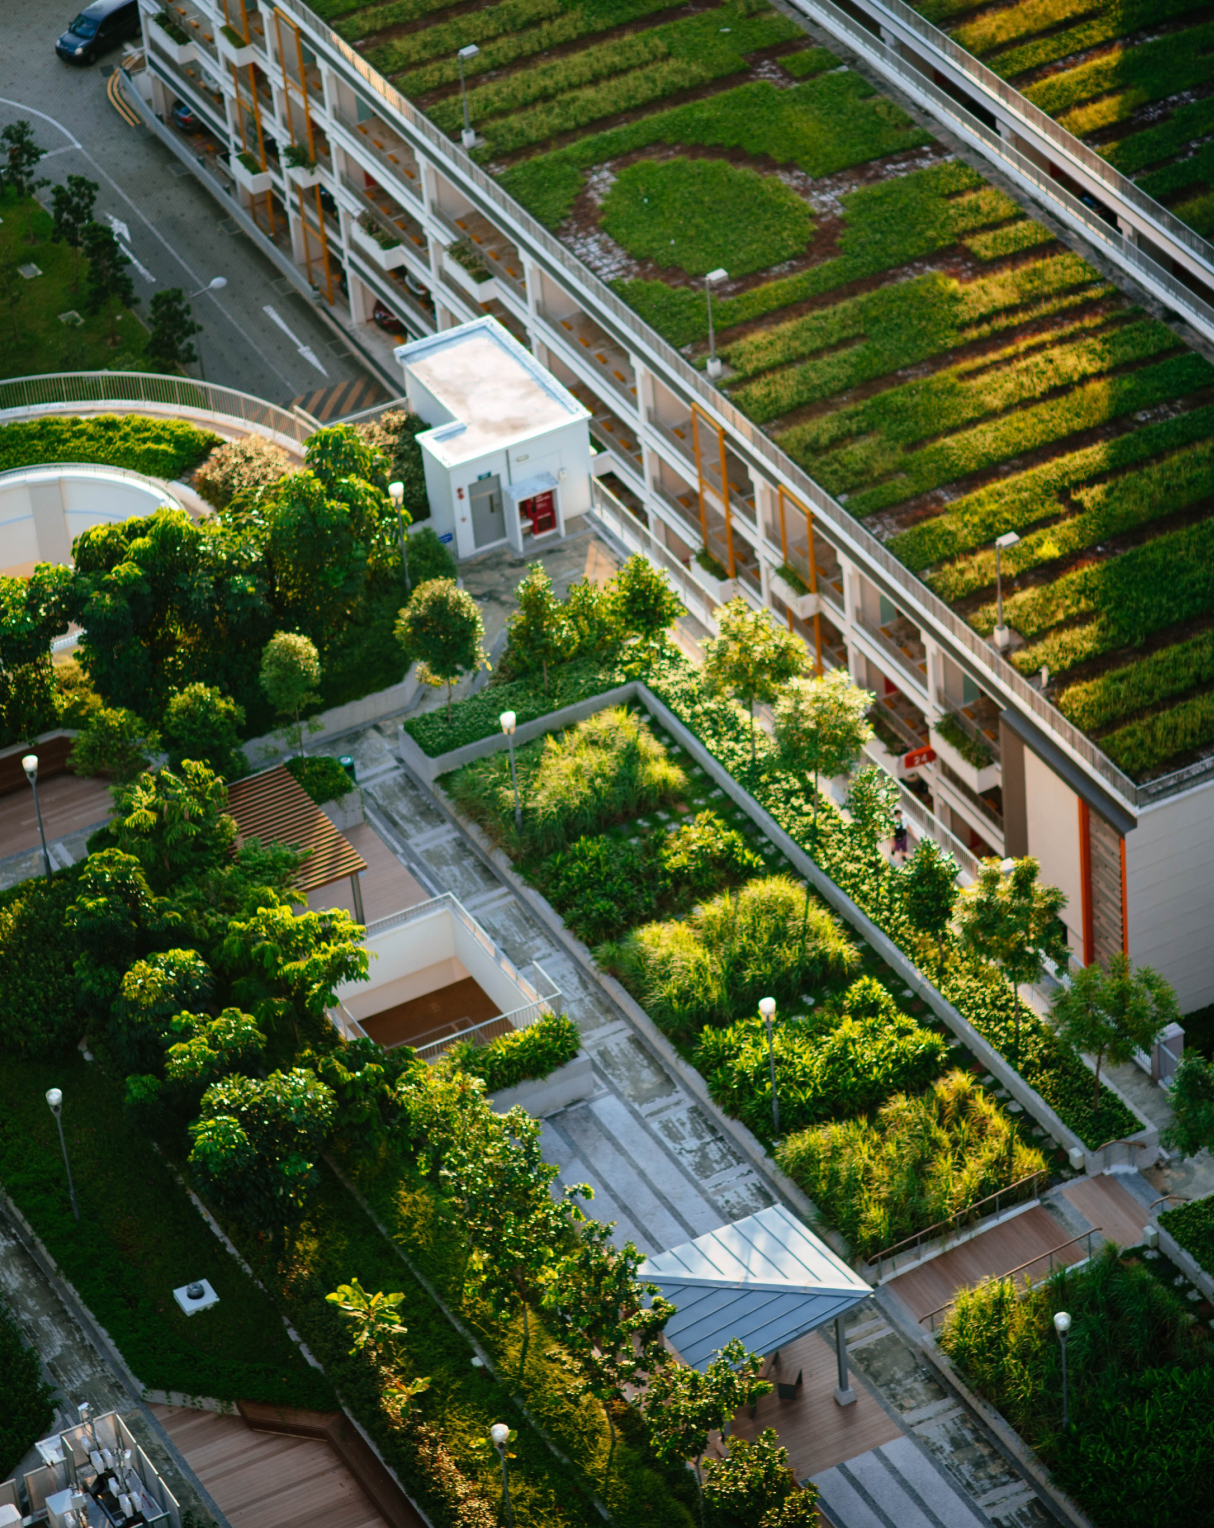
(274, 807)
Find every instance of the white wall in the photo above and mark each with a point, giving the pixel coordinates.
(1170, 894)
(1053, 832)
(42, 511)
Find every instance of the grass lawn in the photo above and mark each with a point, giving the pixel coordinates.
(35, 340)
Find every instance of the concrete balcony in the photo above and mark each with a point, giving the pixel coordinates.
(374, 143)
(898, 642)
(501, 257)
(589, 348)
(979, 777)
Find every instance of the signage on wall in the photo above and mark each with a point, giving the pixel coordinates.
(481, 476)
(447, 536)
(918, 756)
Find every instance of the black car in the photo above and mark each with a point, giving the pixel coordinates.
(101, 26)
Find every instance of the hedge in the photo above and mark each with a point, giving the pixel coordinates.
(162, 448)
(1193, 1227)
(522, 1055)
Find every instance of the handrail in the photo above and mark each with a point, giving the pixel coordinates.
(101, 469)
(1187, 1199)
(1122, 1141)
(953, 1221)
(1012, 1272)
(477, 1034)
(748, 440)
(1068, 145)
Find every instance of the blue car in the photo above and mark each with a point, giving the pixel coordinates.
(99, 27)
(186, 118)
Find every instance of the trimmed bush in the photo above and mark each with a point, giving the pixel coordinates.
(523, 1054)
(321, 776)
(239, 466)
(1193, 1227)
(163, 448)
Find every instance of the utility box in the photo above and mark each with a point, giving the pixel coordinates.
(507, 457)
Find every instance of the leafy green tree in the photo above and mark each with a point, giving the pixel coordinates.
(1013, 921)
(114, 742)
(33, 611)
(173, 329)
(340, 451)
(684, 1405)
(648, 605)
(871, 800)
(1113, 1013)
(752, 659)
(112, 923)
(1192, 1098)
(286, 969)
(19, 160)
(594, 616)
(290, 673)
(107, 279)
(255, 1145)
(317, 549)
(200, 722)
(822, 726)
(441, 629)
(374, 1317)
(928, 884)
(540, 631)
(363, 1078)
(753, 1486)
(153, 991)
(210, 1048)
(176, 824)
(611, 1335)
(72, 204)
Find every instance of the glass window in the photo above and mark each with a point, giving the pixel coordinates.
(84, 26)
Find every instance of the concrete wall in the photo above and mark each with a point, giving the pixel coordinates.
(1170, 894)
(376, 996)
(1052, 809)
(42, 511)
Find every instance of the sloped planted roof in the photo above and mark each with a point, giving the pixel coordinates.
(275, 808)
(765, 1279)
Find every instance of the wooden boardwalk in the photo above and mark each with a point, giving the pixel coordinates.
(265, 1480)
(69, 802)
(387, 887)
(1106, 1203)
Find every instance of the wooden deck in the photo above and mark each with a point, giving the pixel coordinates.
(1108, 1204)
(433, 1016)
(69, 802)
(387, 887)
(262, 1480)
(817, 1433)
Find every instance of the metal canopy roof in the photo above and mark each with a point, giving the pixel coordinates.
(274, 807)
(765, 1279)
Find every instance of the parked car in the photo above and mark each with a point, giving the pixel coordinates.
(387, 320)
(186, 118)
(99, 27)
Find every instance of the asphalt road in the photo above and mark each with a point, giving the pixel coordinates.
(173, 222)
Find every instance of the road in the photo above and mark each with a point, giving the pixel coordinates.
(176, 229)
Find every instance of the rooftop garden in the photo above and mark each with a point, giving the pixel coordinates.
(930, 355)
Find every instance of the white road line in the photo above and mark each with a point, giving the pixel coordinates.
(121, 231)
(306, 351)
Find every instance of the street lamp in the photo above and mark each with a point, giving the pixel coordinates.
(714, 278)
(54, 1097)
(1062, 1325)
(396, 492)
(500, 1435)
(216, 284)
(1003, 637)
(465, 56)
(767, 1007)
(509, 722)
(30, 765)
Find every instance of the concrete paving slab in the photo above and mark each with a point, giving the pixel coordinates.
(634, 1072)
(666, 1175)
(658, 1224)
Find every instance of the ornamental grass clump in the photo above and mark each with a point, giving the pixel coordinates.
(916, 1162)
(827, 1067)
(764, 939)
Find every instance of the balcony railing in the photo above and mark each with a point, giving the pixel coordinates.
(401, 166)
(894, 653)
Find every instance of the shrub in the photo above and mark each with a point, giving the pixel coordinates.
(163, 448)
(27, 1397)
(522, 1054)
(38, 1012)
(972, 751)
(113, 742)
(240, 466)
(201, 722)
(1193, 1227)
(321, 776)
(920, 1161)
(394, 434)
(833, 1065)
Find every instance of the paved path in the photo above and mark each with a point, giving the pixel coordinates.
(894, 1486)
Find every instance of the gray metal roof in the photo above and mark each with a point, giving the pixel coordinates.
(765, 1279)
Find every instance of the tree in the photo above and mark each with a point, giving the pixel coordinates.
(173, 328)
(201, 722)
(107, 280)
(208, 1049)
(240, 466)
(153, 991)
(176, 824)
(647, 605)
(871, 801)
(1114, 1012)
(1192, 1098)
(753, 1486)
(684, 1405)
(317, 548)
(928, 885)
(752, 659)
(375, 1318)
(72, 209)
(540, 631)
(19, 159)
(442, 630)
(341, 451)
(287, 968)
(290, 672)
(111, 924)
(821, 726)
(113, 742)
(255, 1145)
(1013, 922)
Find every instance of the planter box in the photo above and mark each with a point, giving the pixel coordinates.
(345, 811)
(719, 590)
(254, 182)
(804, 606)
(241, 55)
(386, 259)
(977, 779)
(179, 52)
(546, 1095)
(482, 291)
(300, 175)
(891, 763)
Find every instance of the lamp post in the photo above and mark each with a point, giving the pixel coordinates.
(1062, 1325)
(396, 492)
(500, 1436)
(30, 765)
(54, 1097)
(465, 56)
(767, 1007)
(509, 721)
(216, 284)
(1003, 637)
(714, 278)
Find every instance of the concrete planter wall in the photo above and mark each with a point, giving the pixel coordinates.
(302, 176)
(386, 259)
(1185, 1261)
(239, 54)
(179, 52)
(719, 590)
(546, 1095)
(344, 811)
(482, 290)
(253, 181)
(977, 779)
(802, 605)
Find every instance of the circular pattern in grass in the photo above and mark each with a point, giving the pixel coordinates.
(700, 214)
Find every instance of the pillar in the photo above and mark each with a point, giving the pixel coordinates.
(844, 1394)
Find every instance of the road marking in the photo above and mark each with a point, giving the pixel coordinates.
(306, 351)
(113, 90)
(121, 231)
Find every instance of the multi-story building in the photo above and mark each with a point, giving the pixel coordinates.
(382, 214)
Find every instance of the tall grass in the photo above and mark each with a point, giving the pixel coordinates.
(919, 1161)
(762, 940)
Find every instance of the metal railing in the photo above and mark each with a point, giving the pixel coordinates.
(615, 519)
(88, 469)
(904, 664)
(1131, 1146)
(969, 1216)
(484, 1032)
(1040, 1258)
(346, 1025)
(973, 731)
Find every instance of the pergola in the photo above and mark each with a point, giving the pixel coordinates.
(766, 1279)
(275, 808)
